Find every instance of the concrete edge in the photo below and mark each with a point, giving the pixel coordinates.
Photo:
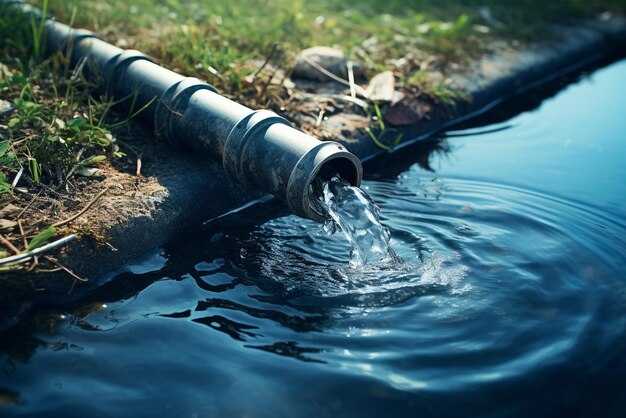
(498, 77)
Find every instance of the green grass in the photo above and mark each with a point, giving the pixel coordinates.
(56, 125)
(52, 129)
(198, 36)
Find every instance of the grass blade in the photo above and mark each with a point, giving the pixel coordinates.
(41, 238)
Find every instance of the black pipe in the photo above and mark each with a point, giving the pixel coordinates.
(257, 148)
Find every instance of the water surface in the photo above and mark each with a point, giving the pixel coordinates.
(510, 298)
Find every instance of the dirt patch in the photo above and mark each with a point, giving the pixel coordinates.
(120, 197)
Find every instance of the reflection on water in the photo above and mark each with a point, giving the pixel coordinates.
(510, 297)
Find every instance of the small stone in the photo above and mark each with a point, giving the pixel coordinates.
(288, 84)
(370, 43)
(5, 106)
(330, 59)
(122, 43)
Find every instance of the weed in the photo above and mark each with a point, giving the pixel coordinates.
(41, 238)
(383, 131)
(442, 90)
(37, 31)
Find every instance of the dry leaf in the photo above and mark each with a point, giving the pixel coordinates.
(7, 225)
(408, 111)
(381, 87)
(9, 210)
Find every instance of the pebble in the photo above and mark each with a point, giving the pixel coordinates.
(330, 59)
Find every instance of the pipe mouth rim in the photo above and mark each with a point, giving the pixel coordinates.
(327, 154)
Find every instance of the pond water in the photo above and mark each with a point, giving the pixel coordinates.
(510, 298)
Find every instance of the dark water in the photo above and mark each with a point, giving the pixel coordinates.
(510, 301)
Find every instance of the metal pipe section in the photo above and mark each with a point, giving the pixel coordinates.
(257, 148)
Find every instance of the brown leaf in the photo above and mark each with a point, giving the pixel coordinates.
(408, 111)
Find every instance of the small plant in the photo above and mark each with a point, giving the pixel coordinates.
(442, 91)
(52, 136)
(41, 238)
(383, 131)
(37, 31)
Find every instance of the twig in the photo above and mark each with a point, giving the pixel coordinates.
(320, 117)
(54, 270)
(267, 83)
(327, 73)
(351, 79)
(8, 244)
(169, 108)
(215, 73)
(17, 177)
(61, 195)
(24, 240)
(30, 204)
(138, 166)
(32, 266)
(77, 165)
(85, 209)
(256, 72)
(65, 269)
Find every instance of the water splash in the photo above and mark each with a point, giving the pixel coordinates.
(358, 217)
(444, 271)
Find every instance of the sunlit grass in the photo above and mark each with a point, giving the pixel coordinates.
(218, 40)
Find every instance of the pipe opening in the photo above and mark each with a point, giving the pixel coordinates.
(344, 167)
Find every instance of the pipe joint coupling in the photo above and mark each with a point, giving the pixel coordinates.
(249, 129)
(172, 104)
(113, 70)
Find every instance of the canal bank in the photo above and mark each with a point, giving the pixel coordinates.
(178, 190)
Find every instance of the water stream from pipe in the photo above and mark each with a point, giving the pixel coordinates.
(352, 211)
